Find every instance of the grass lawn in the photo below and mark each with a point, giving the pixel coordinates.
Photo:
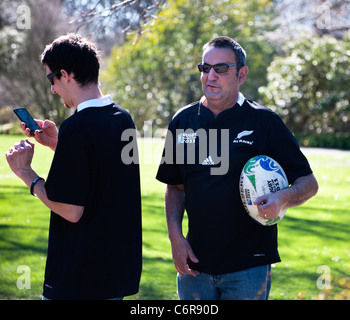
(313, 235)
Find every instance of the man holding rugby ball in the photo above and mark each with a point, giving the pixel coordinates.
(226, 255)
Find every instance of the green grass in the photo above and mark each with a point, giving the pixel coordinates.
(24, 223)
(316, 234)
(310, 236)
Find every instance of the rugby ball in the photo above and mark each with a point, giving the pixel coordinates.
(261, 175)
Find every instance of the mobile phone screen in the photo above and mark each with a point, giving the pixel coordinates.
(25, 117)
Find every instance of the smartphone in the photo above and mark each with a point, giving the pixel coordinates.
(24, 116)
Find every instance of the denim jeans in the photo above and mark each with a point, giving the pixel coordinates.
(249, 284)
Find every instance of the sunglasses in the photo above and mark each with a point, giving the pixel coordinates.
(219, 68)
(51, 75)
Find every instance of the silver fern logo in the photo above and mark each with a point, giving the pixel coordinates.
(242, 134)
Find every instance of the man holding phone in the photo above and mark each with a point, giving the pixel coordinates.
(27, 119)
(95, 242)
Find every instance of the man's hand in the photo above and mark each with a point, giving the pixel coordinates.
(180, 247)
(182, 251)
(47, 137)
(303, 188)
(269, 205)
(20, 157)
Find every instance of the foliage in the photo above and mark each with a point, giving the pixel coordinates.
(112, 17)
(309, 86)
(23, 75)
(156, 76)
(152, 78)
(10, 42)
(338, 140)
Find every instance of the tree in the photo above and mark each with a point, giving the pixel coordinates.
(23, 76)
(318, 16)
(309, 86)
(156, 76)
(111, 18)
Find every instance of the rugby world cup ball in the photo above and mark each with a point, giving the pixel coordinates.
(261, 175)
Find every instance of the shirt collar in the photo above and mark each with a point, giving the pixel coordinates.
(240, 99)
(99, 102)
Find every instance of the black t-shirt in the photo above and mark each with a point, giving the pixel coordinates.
(208, 160)
(100, 256)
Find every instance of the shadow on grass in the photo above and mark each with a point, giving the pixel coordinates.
(153, 203)
(293, 284)
(326, 228)
(12, 192)
(310, 237)
(23, 224)
(12, 244)
(158, 281)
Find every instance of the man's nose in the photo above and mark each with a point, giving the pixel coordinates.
(53, 91)
(212, 74)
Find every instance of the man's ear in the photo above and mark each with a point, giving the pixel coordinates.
(65, 75)
(242, 75)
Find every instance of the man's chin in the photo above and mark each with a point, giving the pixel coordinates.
(67, 106)
(211, 95)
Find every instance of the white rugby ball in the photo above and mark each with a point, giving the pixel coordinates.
(261, 175)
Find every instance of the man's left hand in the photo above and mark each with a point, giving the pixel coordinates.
(20, 156)
(269, 205)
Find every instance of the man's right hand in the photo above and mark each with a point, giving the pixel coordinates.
(47, 137)
(182, 251)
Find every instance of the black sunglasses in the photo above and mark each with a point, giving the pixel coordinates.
(219, 68)
(51, 75)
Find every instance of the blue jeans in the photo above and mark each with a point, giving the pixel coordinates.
(249, 284)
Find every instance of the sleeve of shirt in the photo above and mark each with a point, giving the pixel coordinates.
(69, 176)
(168, 171)
(284, 148)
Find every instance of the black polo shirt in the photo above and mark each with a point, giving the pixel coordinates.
(100, 256)
(207, 155)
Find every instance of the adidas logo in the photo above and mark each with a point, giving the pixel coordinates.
(208, 161)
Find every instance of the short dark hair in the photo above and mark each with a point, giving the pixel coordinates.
(73, 54)
(227, 42)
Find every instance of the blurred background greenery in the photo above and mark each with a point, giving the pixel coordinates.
(298, 57)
